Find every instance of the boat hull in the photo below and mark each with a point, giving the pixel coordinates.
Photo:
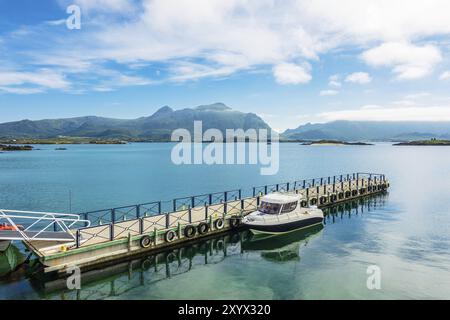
(284, 227)
(4, 245)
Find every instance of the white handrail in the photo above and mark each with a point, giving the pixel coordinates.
(64, 220)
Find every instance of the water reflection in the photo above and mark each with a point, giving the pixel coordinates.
(123, 278)
(10, 260)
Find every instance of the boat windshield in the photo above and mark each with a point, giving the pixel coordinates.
(269, 208)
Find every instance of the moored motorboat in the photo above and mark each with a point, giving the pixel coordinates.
(281, 213)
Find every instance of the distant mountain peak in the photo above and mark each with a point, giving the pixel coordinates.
(162, 111)
(218, 106)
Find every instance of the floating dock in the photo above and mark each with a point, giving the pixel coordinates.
(117, 234)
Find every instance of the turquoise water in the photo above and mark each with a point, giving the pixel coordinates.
(405, 232)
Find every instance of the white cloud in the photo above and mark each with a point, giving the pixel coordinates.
(288, 73)
(380, 113)
(216, 38)
(359, 77)
(408, 61)
(445, 75)
(21, 90)
(333, 81)
(328, 92)
(56, 22)
(417, 95)
(104, 5)
(11, 81)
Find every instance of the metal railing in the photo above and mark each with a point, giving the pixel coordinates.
(42, 225)
(119, 214)
(116, 223)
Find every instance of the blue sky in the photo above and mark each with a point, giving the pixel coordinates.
(290, 61)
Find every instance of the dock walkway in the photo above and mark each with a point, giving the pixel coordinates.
(119, 233)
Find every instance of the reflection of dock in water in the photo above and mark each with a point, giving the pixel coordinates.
(148, 271)
(353, 208)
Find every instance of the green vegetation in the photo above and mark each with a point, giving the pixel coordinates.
(431, 142)
(335, 142)
(61, 140)
(371, 130)
(157, 127)
(4, 147)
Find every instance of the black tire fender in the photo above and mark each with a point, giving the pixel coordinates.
(145, 241)
(170, 235)
(203, 228)
(234, 223)
(219, 224)
(189, 231)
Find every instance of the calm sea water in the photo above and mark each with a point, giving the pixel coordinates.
(404, 232)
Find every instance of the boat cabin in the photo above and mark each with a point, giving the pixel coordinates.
(278, 203)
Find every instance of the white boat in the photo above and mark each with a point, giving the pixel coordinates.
(281, 213)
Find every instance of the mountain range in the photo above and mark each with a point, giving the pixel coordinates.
(158, 126)
(370, 130)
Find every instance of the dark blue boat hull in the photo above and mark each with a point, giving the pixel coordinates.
(285, 227)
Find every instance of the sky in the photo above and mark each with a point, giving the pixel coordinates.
(289, 61)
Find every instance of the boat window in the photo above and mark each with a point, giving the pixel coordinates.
(288, 207)
(269, 208)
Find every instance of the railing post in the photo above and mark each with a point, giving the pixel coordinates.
(190, 215)
(174, 205)
(159, 206)
(77, 240)
(167, 220)
(113, 215)
(141, 225)
(111, 231)
(210, 199)
(240, 193)
(265, 189)
(225, 196)
(192, 202)
(304, 184)
(206, 213)
(287, 186)
(138, 211)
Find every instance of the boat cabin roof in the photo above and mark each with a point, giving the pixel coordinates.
(281, 198)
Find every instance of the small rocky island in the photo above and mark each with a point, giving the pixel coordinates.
(4, 147)
(334, 143)
(60, 140)
(431, 142)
